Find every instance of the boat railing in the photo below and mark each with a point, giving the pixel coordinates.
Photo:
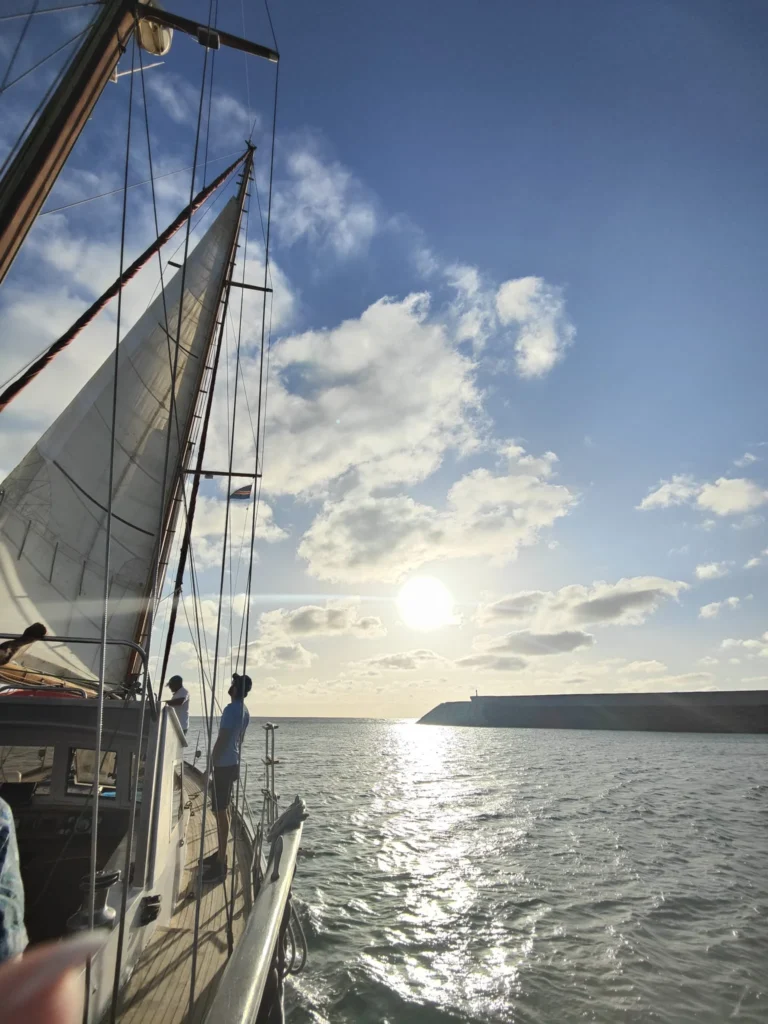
(137, 648)
(244, 980)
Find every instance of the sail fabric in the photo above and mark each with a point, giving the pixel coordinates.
(53, 505)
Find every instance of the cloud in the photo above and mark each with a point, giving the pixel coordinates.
(755, 648)
(746, 460)
(486, 514)
(727, 497)
(277, 645)
(677, 491)
(605, 676)
(491, 663)
(179, 100)
(473, 311)
(208, 527)
(287, 655)
(710, 611)
(183, 657)
(536, 310)
(322, 620)
(376, 401)
(757, 560)
(516, 608)
(647, 668)
(712, 570)
(538, 644)
(322, 202)
(405, 661)
(627, 602)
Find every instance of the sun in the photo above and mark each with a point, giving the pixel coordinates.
(425, 603)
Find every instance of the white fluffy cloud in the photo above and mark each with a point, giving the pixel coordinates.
(725, 496)
(712, 570)
(627, 602)
(753, 563)
(677, 491)
(230, 121)
(535, 310)
(487, 514)
(709, 611)
(754, 647)
(277, 645)
(321, 201)
(746, 460)
(377, 401)
(473, 310)
(338, 619)
(208, 527)
(278, 655)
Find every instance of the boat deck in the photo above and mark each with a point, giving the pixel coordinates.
(158, 992)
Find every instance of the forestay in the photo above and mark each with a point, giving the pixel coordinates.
(53, 505)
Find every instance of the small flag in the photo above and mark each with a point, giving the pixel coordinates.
(242, 493)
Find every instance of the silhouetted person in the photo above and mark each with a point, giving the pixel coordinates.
(10, 648)
(225, 762)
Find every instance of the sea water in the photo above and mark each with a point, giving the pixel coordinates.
(519, 875)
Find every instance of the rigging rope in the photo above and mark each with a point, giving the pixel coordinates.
(33, 116)
(147, 626)
(108, 545)
(151, 606)
(261, 360)
(241, 198)
(229, 498)
(18, 46)
(227, 517)
(115, 288)
(210, 97)
(18, 78)
(136, 184)
(49, 10)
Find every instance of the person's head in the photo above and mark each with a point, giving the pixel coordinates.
(240, 688)
(175, 683)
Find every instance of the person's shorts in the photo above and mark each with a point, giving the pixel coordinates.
(223, 781)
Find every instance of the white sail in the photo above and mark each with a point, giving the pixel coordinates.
(53, 505)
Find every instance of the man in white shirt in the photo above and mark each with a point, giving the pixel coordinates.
(180, 701)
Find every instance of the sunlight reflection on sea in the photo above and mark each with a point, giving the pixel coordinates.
(528, 876)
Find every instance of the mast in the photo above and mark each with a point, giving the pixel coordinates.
(33, 171)
(185, 543)
(35, 168)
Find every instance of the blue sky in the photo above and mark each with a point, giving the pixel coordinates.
(500, 232)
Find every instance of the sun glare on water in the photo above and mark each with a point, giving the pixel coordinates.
(425, 603)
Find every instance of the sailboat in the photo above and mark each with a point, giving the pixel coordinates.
(111, 813)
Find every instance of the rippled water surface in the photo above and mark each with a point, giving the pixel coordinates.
(527, 875)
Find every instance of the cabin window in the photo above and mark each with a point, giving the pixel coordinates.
(80, 772)
(27, 764)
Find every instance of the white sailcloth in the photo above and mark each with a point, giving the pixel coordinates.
(53, 505)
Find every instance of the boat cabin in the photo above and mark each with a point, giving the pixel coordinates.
(47, 748)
